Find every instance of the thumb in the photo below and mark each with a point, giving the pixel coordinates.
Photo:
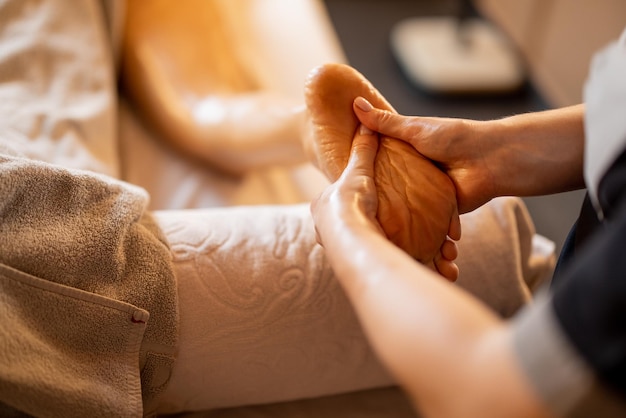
(388, 123)
(363, 152)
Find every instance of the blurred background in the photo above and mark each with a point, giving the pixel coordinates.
(554, 39)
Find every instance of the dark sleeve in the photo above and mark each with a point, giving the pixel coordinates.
(572, 343)
(590, 302)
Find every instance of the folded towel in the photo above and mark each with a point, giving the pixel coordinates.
(86, 264)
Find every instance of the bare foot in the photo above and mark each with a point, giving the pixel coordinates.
(417, 201)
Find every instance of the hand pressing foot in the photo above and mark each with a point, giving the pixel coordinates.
(417, 201)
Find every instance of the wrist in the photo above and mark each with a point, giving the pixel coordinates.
(493, 137)
(476, 168)
(537, 153)
(343, 225)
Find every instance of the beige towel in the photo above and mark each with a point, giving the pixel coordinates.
(82, 267)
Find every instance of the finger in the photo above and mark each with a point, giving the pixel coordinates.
(444, 260)
(454, 230)
(363, 152)
(446, 268)
(387, 123)
(449, 250)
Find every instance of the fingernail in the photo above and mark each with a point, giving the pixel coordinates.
(364, 130)
(363, 104)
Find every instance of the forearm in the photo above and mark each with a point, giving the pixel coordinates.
(537, 153)
(446, 349)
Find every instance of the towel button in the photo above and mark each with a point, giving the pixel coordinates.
(138, 317)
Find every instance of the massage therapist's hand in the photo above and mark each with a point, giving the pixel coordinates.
(522, 155)
(452, 143)
(351, 203)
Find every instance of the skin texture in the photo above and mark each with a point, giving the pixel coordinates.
(416, 201)
(451, 354)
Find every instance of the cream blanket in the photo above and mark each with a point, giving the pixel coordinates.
(263, 319)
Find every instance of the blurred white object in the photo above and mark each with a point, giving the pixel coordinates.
(448, 55)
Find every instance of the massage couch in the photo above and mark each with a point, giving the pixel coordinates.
(502, 260)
